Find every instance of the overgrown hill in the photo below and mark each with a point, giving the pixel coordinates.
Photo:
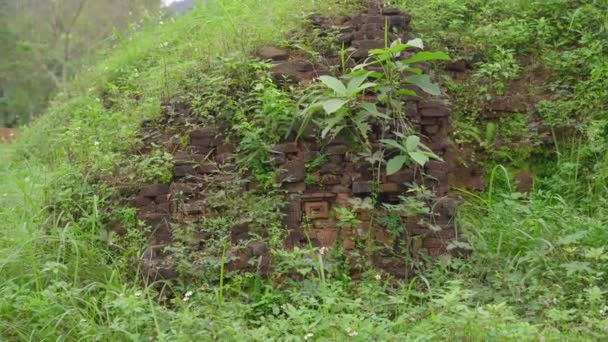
(527, 84)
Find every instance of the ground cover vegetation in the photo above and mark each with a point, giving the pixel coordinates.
(537, 267)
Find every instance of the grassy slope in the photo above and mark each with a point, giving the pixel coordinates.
(533, 273)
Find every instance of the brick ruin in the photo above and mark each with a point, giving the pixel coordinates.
(204, 166)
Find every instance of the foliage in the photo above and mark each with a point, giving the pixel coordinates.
(538, 265)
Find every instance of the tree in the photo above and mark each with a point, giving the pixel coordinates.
(44, 43)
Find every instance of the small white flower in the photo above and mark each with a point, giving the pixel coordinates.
(138, 293)
(187, 296)
(96, 143)
(351, 332)
(378, 276)
(322, 250)
(308, 336)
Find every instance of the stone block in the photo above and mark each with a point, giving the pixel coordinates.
(154, 190)
(226, 149)
(317, 196)
(433, 108)
(398, 22)
(272, 52)
(141, 201)
(336, 158)
(390, 188)
(292, 214)
(446, 207)
(362, 187)
(403, 176)
(432, 129)
(326, 237)
(336, 150)
(192, 208)
(205, 142)
(390, 11)
(374, 19)
(152, 219)
(330, 180)
(433, 242)
(316, 210)
(368, 44)
(257, 248)
(287, 147)
(203, 133)
(181, 159)
(293, 171)
(332, 168)
(184, 170)
(206, 168)
(304, 66)
(177, 188)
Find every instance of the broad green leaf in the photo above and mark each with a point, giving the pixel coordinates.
(426, 56)
(365, 86)
(330, 124)
(419, 157)
(393, 143)
(572, 238)
(424, 82)
(373, 110)
(363, 128)
(416, 42)
(406, 92)
(411, 143)
(394, 165)
(577, 267)
(356, 81)
(333, 105)
(415, 71)
(334, 84)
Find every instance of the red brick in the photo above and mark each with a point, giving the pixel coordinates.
(368, 44)
(141, 201)
(326, 237)
(432, 242)
(202, 133)
(362, 187)
(433, 108)
(154, 190)
(389, 188)
(288, 147)
(316, 210)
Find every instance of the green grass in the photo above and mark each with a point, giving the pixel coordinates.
(538, 267)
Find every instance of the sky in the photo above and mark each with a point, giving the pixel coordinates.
(168, 2)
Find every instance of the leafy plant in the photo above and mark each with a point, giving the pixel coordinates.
(410, 150)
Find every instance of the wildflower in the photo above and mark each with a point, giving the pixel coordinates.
(322, 250)
(308, 336)
(351, 332)
(187, 296)
(378, 276)
(138, 293)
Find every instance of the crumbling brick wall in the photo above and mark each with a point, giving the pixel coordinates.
(312, 195)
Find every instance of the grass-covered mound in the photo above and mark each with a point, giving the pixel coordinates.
(537, 270)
